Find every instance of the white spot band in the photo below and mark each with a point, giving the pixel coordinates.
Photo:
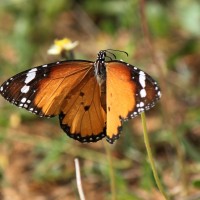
(30, 75)
(143, 93)
(25, 89)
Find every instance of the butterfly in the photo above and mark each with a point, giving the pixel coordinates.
(91, 99)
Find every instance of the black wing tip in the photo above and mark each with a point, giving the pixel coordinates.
(138, 111)
(143, 106)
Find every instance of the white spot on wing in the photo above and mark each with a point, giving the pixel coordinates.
(143, 93)
(142, 79)
(1, 88)
(25, 89)
(23, 100)
(44, 65)
(141, 104)
(30, 75)
(33, 70)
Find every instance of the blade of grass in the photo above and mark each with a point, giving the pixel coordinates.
(111, 171)
(150, 156)
(168, 110)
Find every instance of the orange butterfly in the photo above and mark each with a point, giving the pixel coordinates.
(92, 99)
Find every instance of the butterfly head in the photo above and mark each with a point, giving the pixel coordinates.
(101, 55)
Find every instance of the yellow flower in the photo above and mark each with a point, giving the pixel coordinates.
(64, 44)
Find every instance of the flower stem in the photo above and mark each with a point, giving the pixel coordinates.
(150, 156)
(111, 171)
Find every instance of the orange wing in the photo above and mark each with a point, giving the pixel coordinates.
(68, 89)
(83, 117)
(61, 82)
(41, 90)
(130, 91)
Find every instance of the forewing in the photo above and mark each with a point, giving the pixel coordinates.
(130, 91)
(43, 89)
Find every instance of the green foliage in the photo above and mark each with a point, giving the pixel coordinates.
(51, 167)
(188, 13)
(158, 19)
(28, 28)
(147, 179)
(196, 183)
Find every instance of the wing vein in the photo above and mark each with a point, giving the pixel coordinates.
(96, 111)
(61, 83)
(80, 90)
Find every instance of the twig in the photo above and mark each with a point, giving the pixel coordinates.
(78, 179)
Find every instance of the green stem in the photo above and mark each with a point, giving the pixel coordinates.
(111, 171)
(150, 156)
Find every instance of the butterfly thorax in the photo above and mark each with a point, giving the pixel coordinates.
(100, 67)
(100, 74)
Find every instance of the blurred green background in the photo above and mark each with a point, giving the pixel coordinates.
(163, 39)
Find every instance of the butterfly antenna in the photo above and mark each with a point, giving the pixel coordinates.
(107, 50)
(110, 53)
(108, 57)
